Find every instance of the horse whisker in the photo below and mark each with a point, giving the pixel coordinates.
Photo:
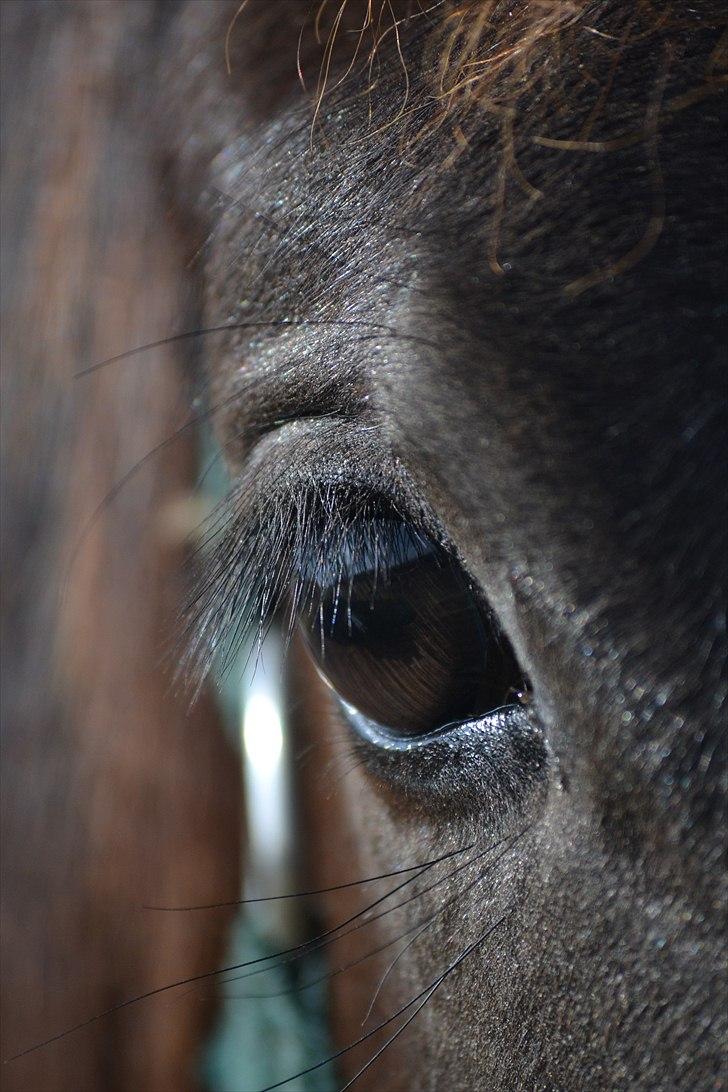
(429, 922)
(188, 335)
(426, 993)
(328, 938)
(205, 975)
(303, 894)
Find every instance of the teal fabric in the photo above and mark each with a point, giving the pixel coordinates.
(261, 1041)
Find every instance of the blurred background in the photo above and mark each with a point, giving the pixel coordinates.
(116, 795)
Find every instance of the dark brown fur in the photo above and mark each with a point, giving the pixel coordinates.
(549, 252)
(546, 360)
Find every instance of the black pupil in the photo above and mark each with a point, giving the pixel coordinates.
(400, 634)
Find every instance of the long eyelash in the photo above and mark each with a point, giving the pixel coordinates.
(428, 995)
(422, 927)
(269, 552)
(425, 995)
(362, 918)
(353, 924)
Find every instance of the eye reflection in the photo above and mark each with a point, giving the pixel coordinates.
(401, 635)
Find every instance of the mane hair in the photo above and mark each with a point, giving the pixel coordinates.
(483, 55)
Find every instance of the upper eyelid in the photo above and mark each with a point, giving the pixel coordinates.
(280, 378)
(306, 457)
(294, 370)
(258, 404)
(291, 450)
(285, 499)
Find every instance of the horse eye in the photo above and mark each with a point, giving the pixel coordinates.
(404, 639)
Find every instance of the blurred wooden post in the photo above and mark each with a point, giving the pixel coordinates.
(114, 794)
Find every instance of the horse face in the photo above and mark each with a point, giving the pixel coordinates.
(501, 323)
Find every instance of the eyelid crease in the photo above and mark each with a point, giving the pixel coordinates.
(278, 390)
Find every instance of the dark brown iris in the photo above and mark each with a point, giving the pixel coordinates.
(407, 642)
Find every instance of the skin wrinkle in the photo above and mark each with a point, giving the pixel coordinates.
(567, 445)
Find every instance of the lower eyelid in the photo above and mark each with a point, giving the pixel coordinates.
(488, 768)
(379, 735)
